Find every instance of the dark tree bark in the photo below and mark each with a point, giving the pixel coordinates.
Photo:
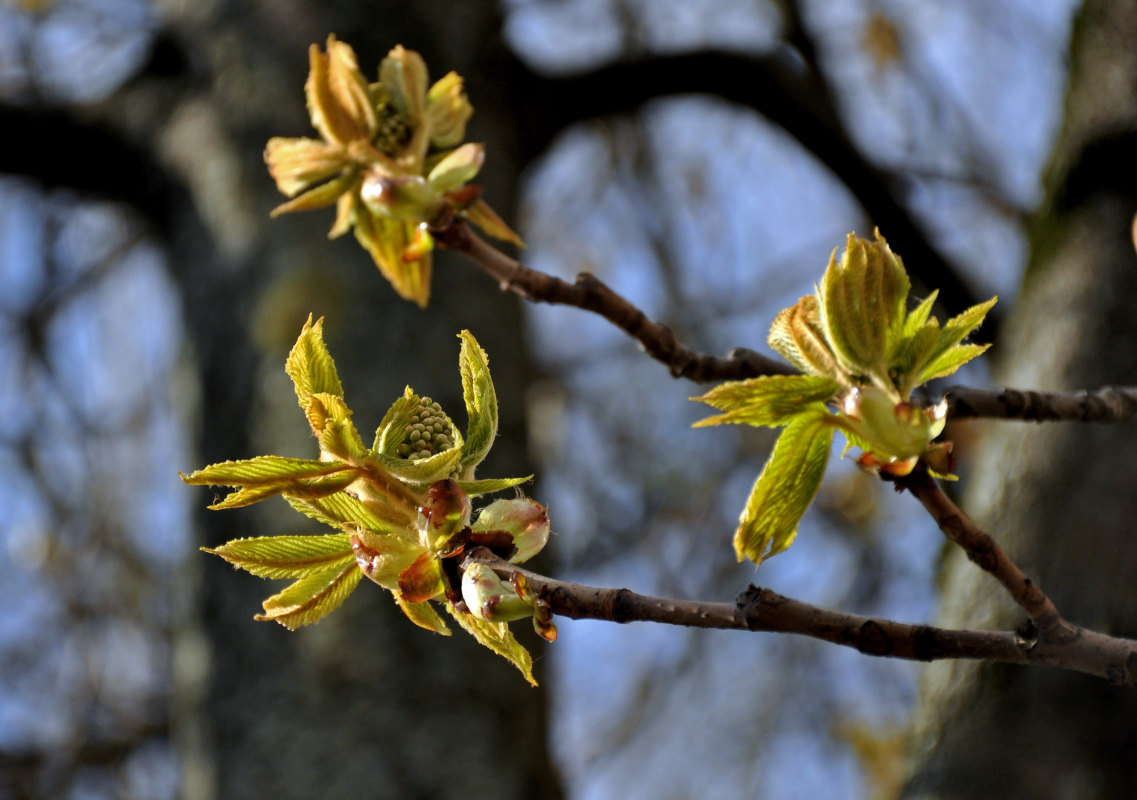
(1058, 497)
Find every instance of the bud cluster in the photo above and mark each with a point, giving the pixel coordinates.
(426, 432)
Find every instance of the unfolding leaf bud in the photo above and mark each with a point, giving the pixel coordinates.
(446, 512)
(402, 197)
(490, 598)
(863, 302)
(447, 111)
(892, 430)
(527, 521)
(403, 73)
(457, 167)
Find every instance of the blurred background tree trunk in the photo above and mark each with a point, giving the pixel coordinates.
(1058, 498)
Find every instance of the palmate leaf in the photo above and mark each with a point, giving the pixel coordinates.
(948, 355)
(312, 598)
(497, 637)
(340, 509)
(311, 366)
(770, 400)
(784, 489)
(265, 476)
(288, 556)
(481, 403)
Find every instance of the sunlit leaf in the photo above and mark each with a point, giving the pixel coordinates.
(481, 403)
(424, 615)
(785, 489)
(490, 485)
(339, 509)
(953, 359)
(386, 240)
(769, 400)
(498, 638)
(480, 213)
(330, 419)
(424, 470)
(863, 300)
(797, 334)
(287, 556)
(310, 599)
(311, 366)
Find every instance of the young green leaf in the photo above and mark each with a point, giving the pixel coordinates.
(330, 419)
(498, 638)
(863, 300)
(784, 489)
(340, 509)
(481, 404)
(769, 400)
(490, 485)
(423, 615)
(288, 556)
(312, 598)
(798, 335)
(261, 471)
(265, 476)
(311, 366)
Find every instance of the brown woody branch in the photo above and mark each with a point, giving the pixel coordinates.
(591, 294)
(982, 549)
(1109, 404)
(759, 609)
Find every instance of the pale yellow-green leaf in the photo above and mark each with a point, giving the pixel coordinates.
(863, 298)
(481, 403)
(498, 638)
(491, 485)
(311, 366)
(480, 213)
(947, 363)
(769, 400)
(423, 615)
(386, 240)
(287, 556)
(798, 335)
(262, 470)
(338, 510)
(330, 420)
(423, 471)
(312, 598)
(393, 429)
(784, 489)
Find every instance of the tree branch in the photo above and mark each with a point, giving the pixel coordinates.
(592, 294)
(759, 609)
(982, 549)
(1108, 404)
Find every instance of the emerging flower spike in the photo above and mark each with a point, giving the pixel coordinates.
(862, 354)
(401, 509)
(390, 158)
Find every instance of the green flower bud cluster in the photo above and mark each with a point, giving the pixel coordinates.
(426, 432)
(393, 131)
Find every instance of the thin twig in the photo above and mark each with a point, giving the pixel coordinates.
(982, 549)
(1108, 404)
(592, 294)
(759, 609)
